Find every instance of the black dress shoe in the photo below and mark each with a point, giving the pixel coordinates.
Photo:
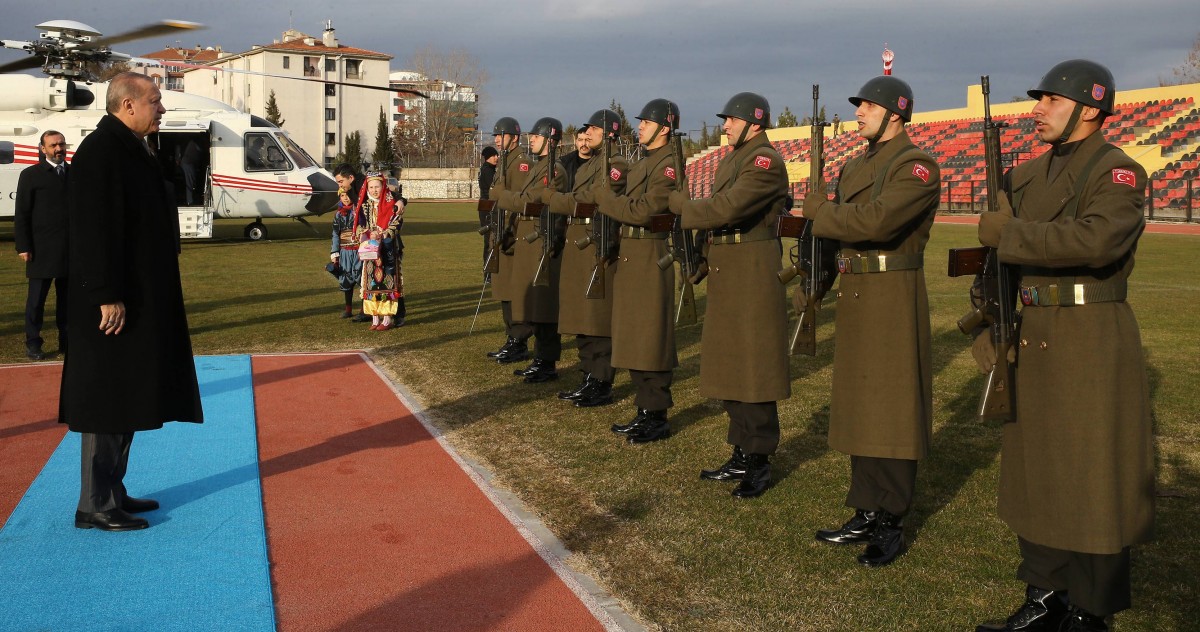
(732, 470)
(504, 347)
(887, 543)
(858, 528)
(1082, 621)
(757, 478)
(139, 505)
(578, 391)
(518, 351)
(34, 353)
(347, 314)
(654, 427)
(111, 520)
(360, 318)
(539, 371)
(628, 427)
(1043, 611)
(598, 394)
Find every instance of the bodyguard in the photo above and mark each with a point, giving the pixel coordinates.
(40, 231)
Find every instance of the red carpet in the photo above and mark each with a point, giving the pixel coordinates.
(29, 428)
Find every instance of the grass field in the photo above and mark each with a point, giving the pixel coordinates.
(679, 553)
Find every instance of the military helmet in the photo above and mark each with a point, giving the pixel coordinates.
(506, 125)
(548, 127)
(1081, 81)
(888, 92)
(661, 111)
(606, 120)
(749, 107)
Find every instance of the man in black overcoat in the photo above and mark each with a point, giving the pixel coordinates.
(130, 365)
(40, 224)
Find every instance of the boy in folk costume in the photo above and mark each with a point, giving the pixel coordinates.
(378, 220)
(344, 264)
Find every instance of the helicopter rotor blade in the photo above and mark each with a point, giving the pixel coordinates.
(150, 30)
(22, 64)
(309, 79)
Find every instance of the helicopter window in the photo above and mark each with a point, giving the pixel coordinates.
(302, 160)
(264, 154)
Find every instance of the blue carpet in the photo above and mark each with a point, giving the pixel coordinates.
(202, 564)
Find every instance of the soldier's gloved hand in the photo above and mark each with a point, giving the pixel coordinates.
(991, 224)
(547, 195)
(984, 351)
(675, 201)
(813, 203)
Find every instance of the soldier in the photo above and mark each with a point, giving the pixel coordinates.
(1077, 466)
(589, 317)
(643, 330)
(536, 307)
(512, 172)
(881, 412)
(744, 359)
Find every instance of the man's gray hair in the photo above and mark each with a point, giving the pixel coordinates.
(127, 85)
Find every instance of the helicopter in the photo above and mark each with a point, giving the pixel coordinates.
(239, 166)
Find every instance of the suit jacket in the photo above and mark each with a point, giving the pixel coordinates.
(124, 247)
(40, 220)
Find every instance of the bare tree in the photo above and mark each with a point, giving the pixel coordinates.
(1188, 71)
(444, 134)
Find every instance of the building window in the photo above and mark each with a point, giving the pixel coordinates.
(354, 68)
(287, 62)
(330, 114)
(396, 117)
(396, 102)
(310, 66)
(330, 65)
(331, 139)
(330, 90)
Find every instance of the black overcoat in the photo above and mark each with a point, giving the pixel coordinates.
(124, 246)
(40, 220)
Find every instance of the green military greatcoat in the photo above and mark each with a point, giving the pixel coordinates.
(532, 304)
(515, 171)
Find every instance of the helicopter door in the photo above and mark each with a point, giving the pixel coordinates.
(185, 155)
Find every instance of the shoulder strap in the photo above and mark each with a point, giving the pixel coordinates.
(878, 188)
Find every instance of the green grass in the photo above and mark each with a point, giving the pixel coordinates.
(679, 553)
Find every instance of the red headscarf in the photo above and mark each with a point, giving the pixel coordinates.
(387, 204)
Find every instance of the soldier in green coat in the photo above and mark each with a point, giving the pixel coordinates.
(643, 328)
(1077, 461)
(881, 413)
(511, 174)
(743, 347)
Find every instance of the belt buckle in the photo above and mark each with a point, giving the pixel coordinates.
(843, 265)
(1028, 295)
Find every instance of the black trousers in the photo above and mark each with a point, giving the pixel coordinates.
(35, 311)
(653, 389)
(753, 427)
(595, 357)
(547, 342)
(104, 458)
(520, 331)
(1098, 583)
(881, 484)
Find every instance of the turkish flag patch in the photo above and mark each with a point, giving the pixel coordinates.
(669, 172)
(524, 167)
(922, 172)
(762, 162)
(1124, 176)
(545, 179)
(614, 174)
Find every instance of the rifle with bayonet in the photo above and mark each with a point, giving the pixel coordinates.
(993, 293)
(812, 258)
(547, 230)
(496, 221)
(603, 229)
(683, 246)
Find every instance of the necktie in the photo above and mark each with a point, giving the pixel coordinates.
(60, 170)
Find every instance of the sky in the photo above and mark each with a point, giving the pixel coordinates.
(567, 59)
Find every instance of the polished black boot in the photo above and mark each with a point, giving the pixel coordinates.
(732, 470)
(1082, 621)
(887, 543)
(538, 371)
(1043, 611)
(628, 427)
(757, 478)
(575, 394)
(503, 348)
(654, 427)
(598, 394)
(518, 351)
(858, 528)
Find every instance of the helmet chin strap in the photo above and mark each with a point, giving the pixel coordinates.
(742, 137)
(1071, 123)
(883, 123)
(658, 130)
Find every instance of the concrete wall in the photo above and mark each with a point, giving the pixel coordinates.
(440, 184)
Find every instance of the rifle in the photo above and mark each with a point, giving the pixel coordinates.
(546, 231)
(811, 258)
(684, 245)
(496, 221)
(602, 232)
(993, 293)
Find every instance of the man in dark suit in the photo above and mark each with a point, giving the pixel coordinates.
(130, 367)
(40, 224)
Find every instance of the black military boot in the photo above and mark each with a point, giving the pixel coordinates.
(1082, 621)
(1043, 611)
(731, 470)
(518, 351)
(858, 528)
(628, 427)
(654, 427)
(538, 371)
(503, 348)
(578, 391)
(887, 543)
(598, 394)
(757, 478)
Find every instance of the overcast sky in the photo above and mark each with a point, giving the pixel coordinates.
(567, 59)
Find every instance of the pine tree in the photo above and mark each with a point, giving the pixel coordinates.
(786, 118)
(352, 152)
(628, 138)
(273, 114)
(705, 139)
(384, 155)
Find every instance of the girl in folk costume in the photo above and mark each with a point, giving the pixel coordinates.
(344, 263)
(378, 225)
